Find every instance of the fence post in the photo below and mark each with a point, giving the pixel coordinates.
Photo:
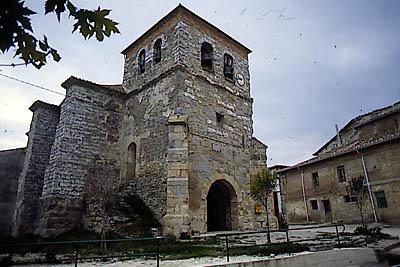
(227, 248)
(158, 252)
(337, 235)
(287, 235)
(76, 254)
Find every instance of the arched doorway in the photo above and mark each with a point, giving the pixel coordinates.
(221, 206)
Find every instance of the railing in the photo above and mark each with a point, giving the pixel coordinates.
(286, 231)
(77, 246)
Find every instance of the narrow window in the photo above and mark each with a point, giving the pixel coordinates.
(157, 51)
(206, 56)
(381, 199)
(219, 119)
(349, 199)
(315, 179)
(228, 66)
(142, 61)
(131, 162)
(341, 174)
(314, 204)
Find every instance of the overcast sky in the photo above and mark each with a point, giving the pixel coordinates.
(314, 63)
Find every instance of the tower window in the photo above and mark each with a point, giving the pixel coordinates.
(142, 61)
(206, 56)
(131, 162)
(219, 119)
(157, 51)
(228, 66)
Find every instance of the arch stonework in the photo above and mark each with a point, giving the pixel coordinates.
(206, 185)
(222, 216)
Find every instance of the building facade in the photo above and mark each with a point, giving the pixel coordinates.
(178, 133)
(368, 148)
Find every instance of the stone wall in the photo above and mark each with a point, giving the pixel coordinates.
(11, 163)
(40, 139)
(145, 124)
(383, 168)
(169, 33)
(85, 158)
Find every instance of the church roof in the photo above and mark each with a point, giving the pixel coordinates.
(175, 12)
(78, 81)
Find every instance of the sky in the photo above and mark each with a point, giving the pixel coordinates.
(315, 63)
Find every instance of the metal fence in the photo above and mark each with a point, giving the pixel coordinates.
(286, 231)
(76, 246)
(225, 238)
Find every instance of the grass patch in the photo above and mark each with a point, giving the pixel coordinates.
(169, 249)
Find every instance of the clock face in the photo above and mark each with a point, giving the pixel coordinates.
(240, 79)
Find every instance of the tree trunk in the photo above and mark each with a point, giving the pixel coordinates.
(266, 210)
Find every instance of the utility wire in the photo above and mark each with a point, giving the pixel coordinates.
(13, 65)
(31, 84)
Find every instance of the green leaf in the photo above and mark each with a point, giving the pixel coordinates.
(50, 6)
(57, 6)
(55, 55)
(71, 9)
(43, 46)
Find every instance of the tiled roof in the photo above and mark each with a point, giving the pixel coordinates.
(364, 119)
(355, 146)
(78, 81)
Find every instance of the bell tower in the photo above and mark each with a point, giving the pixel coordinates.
(189, 88)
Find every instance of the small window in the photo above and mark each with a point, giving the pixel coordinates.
(157, 51)
(314, 204)
(341, 174)
(131, 162)
(142, 61)
(315, 179)
(228, 66)
(349, 199)
(381, 199)
(219, 119)
(206, 56)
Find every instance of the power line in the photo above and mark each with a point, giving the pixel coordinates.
(31, 84)
(13, 65)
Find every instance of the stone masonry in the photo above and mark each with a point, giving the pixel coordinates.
(173, 133)
(40, 139)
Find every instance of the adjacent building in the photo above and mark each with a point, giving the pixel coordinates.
(317, 190)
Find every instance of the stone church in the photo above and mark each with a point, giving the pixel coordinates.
(178, 132)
